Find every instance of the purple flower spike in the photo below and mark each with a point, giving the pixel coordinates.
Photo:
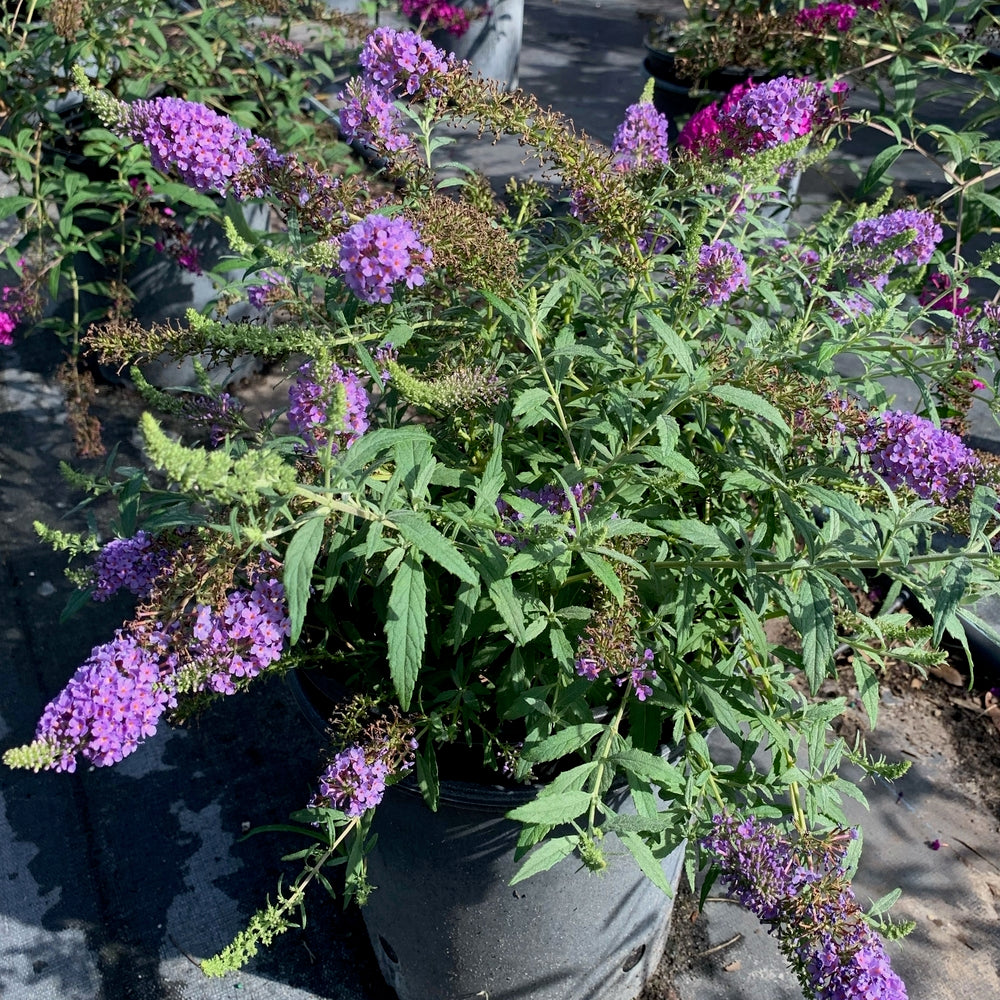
(112, 702)
(309, 408)
(370, 117)
(802, 893)
(721, 271)
(907, 450)
(402, 61)
(378, 252)
(867, 258)
(132, 563)
(353, 784)
(640, 141)
(206, 149)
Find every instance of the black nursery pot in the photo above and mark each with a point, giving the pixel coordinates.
(445, 923)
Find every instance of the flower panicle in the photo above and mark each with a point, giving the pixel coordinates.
(454, 391)
(801, 890)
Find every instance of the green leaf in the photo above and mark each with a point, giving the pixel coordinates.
(751, 403)
(954, 582)
(647, 861)
(300, 557)
(508, 606)
(604, 572)
(427, 776)
(881, 162)
(406, 627)
(541, 860)
(649, 767)
(552, 810)
(563, 742)
(811, 612)
(418, 531)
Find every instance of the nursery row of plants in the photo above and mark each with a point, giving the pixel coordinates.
(551, 460)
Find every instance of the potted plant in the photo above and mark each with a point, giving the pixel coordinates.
(126, 240)
(546, 473)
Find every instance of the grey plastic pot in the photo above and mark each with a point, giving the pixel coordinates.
(446, 924)
(492, 45)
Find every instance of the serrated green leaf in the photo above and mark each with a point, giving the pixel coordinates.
(811, 612)
(954, 582)
(406, 627)
(300, 558)
(750, 403)
(649, 767)
(418, 531)
(604, 572)
(543, 858)
(647, 861)
(564, 742)
(552, 809)
(508, 606)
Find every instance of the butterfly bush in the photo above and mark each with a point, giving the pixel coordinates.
(548, 463)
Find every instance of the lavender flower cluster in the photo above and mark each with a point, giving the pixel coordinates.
(355, 780)
(352, 783)
(205, 148)
(327, 408)
(907, 450)
(641, 141)
(378, 253)
(130, 563)
(721, 271)
(116, 697)
(869, 259)
(593, 660)
(112, 702)
(553, 498)
(403, 62)
(805, 898)
(243, 638)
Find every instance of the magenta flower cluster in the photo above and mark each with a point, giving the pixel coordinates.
(13, 304)
(243, 638)
(380, 252)
(721, 271)
(869, 259)
(702, 132)
(112, 702)
(129, 563)
(827, 17)
(206, 149)
(438, 15)
(938, 293)
(330, 408)
(808, 905)
(752, 117)
(907, 450)
(641, 142)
